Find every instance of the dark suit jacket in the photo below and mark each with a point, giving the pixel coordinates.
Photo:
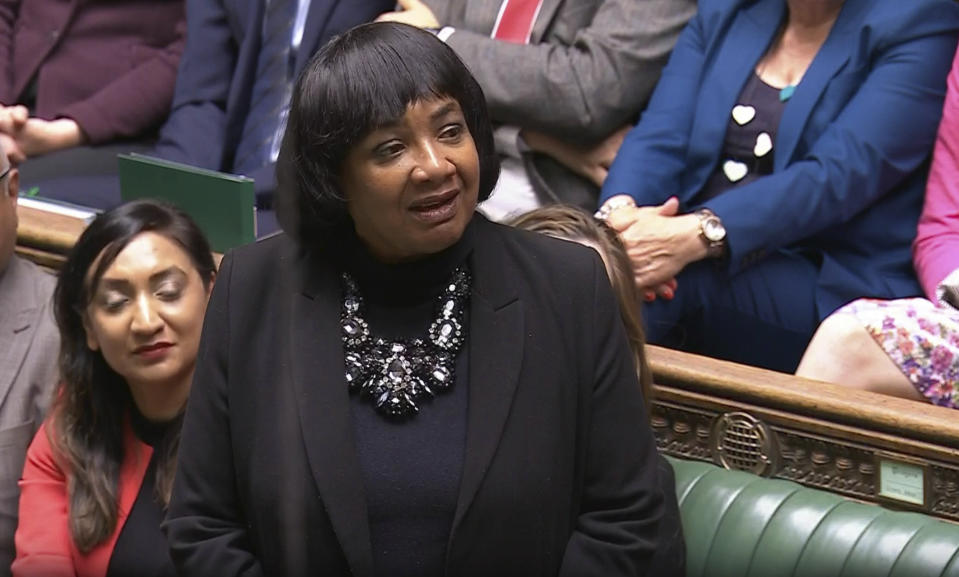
(560, 473)
(850, 151)
(108, 65)
(215, 81)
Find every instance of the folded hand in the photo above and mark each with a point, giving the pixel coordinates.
(659, 242)
(413, 12)
(38, 136)
(12, 118)
(590, 162)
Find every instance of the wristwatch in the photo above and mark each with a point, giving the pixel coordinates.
(713, 233)
(618, 201)
(443, 33)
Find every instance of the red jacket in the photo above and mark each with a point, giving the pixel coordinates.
(44, 544)
(110, 65)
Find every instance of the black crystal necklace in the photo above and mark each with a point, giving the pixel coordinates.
(394, 375)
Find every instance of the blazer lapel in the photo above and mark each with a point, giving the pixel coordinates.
(832, 56)
(316, 363)
(747, 39)
(18, 301)
(477, 15)
(496, 336)
(317, 21)
(543, 19)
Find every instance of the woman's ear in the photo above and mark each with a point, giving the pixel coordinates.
(209, 286)
(92, 342)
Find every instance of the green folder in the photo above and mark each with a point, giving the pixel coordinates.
(223, 205)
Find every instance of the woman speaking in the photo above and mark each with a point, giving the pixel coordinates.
(398, 386)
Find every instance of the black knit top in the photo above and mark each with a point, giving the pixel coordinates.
(141, 549)
(411, 467)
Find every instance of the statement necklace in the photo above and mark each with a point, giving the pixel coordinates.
(394, 375)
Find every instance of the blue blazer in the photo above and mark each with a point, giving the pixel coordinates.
(850, 152)
(218, 68)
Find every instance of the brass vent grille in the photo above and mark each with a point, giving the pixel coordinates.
(743, 443)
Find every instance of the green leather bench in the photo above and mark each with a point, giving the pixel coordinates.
(740, 525)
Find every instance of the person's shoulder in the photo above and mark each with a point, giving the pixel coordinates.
(31, 279)
(883, 7)
(707, 8)
(41, 456)
(916, 17)
(264, 248)
(252, 272)
(44, 281)
(265, 253)
(541, 253)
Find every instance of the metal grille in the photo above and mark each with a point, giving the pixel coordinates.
(742, 443)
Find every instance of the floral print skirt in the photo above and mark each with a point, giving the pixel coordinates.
(921, 338)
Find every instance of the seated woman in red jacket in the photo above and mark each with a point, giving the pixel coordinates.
(129, 305)
(78, 73)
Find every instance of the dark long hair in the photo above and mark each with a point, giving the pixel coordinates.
(92, 403)
(571, 223)
(361, 80)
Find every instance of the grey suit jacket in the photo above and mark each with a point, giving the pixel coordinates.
(29, 345)
(589, 69)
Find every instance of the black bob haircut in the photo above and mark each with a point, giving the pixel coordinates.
(360, 80)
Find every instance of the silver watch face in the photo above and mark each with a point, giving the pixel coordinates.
(713, 229)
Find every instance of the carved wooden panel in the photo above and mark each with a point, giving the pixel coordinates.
(807, 454)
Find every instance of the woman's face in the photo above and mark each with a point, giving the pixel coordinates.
(147, 311)
(411, 186)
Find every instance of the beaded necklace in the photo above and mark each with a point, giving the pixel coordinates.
(395, 374)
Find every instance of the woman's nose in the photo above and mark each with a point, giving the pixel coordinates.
(145, 317)
(432, 164)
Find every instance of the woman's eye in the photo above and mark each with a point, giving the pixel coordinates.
(388, 149)
(113, 303)
(169, 291)
(452, 131)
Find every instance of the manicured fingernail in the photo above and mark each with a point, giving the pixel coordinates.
(667, 294)
(649, 297)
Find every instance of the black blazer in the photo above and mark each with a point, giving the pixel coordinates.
(560, 471)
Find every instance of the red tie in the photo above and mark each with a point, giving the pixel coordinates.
(515, 21)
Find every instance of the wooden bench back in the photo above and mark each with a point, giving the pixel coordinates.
(867, 446)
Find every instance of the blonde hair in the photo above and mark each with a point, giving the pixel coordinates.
(575, 224)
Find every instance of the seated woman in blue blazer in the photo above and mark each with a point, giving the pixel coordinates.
(778, 172)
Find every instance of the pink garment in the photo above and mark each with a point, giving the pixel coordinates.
(936, 248)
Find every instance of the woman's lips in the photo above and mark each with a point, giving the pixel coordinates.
(153, 351)
(436, 209)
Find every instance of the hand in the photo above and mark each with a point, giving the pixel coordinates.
(10, 147)
(414, 13)
(38, 136)
(592, 163)
(12, 118)
(659, 242)
(665, 291)
(950, 296)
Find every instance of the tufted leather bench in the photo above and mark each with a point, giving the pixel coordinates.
(740, 525)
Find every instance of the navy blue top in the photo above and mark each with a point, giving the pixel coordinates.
(747, 150)
(411, 467)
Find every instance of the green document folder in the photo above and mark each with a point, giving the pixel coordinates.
(223, 205)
